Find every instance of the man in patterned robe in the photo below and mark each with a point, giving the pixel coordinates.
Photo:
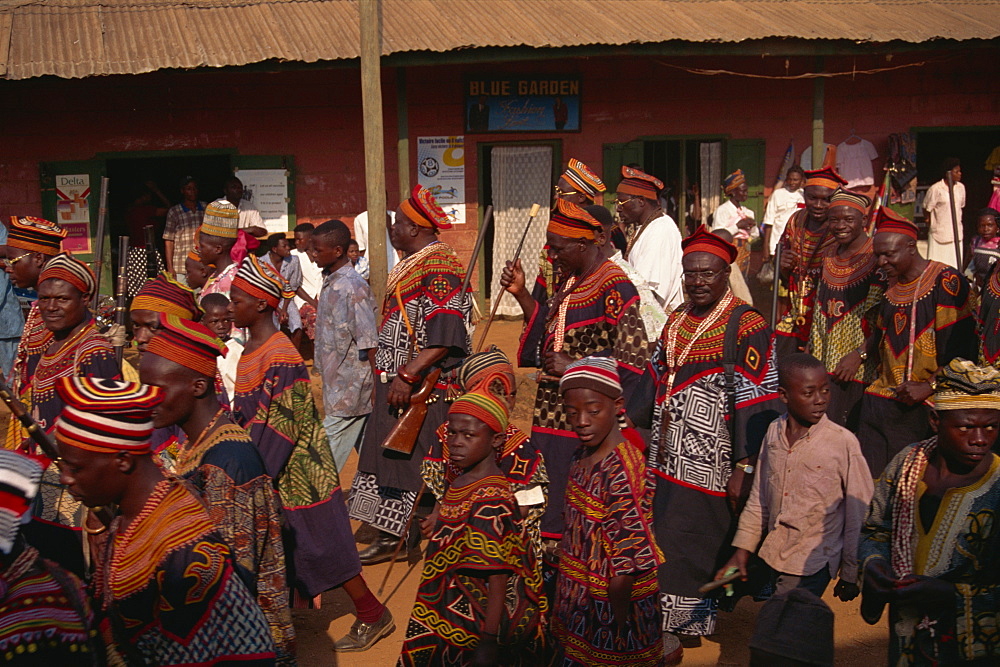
(706, 435)
(926, 319)
(165, 584)
(805, 241)
(423, 328)
(595, 312)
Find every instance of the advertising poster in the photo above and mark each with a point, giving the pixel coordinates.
(267, 189)
(77, 237)
(73, 203)
(441, 169)
(522, 104)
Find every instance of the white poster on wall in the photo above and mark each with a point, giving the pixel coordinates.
(441, 169)
(267, 189)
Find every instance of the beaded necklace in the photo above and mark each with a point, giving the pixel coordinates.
(674, 361)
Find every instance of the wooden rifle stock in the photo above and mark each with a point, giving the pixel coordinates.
(41, 438)
(403, 436)
(120, 299)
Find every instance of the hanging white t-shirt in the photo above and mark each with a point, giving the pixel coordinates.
(312, 276)
(361, 236)
(854, 163)
(249, 215)
(780, 207)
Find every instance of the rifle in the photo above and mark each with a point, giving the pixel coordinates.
(41, 438)
(403, 436)
(102, 214)
(152, 268)
(954, 223)
(121, 296)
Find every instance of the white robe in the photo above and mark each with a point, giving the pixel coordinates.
(656, 256)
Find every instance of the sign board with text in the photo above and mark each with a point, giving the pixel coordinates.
(536, 103)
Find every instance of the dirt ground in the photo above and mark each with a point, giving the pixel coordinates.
(856, 642)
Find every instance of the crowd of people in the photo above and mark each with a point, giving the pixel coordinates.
(681, 454)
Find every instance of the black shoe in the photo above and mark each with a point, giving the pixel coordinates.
(380, 551)
(364, 635)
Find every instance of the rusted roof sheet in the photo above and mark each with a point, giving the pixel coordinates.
(77, 38)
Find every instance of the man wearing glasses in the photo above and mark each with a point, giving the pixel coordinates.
(654, 247)
(31, 243)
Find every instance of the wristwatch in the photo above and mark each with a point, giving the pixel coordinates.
(863, 354)
(746, 467)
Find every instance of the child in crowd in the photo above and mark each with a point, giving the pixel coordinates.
(358, 261)
(220, 322)
(985, 247)
(196, 275)
(607, 604)
(479, 601)
(273, 400)
(810, 491)
(782, 204)
(281, 259)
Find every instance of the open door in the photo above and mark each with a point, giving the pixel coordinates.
(615, 156)
(269, 184)
(71, 195)
(748, 155)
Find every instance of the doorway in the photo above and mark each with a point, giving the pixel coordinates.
(512, 177)
(973, 146)
(154, 183)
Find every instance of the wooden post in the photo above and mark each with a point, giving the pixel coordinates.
(371, 104)
(403, 133)
(819, 97)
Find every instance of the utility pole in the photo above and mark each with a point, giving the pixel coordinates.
(371, 105)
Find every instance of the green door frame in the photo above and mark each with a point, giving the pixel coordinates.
(482, 154)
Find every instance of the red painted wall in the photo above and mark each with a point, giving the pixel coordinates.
(316, 115)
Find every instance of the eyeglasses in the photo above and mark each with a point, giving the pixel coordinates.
(12, 262)
(622, 202)
(691, 277)
(564, 193)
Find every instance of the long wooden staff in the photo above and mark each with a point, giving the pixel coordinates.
(402, 538)
(480, 238)
(954, 221)
(517, 254)
(41, 438)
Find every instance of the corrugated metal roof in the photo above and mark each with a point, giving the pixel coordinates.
(77, 38)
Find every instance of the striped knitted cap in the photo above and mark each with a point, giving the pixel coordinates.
(259, 280)
(19, 478)
(483, 368)
(35, 235)
(888, 221)
(826, 177)
(485, 407)
(163, 294)
(639, 183)
(221, 219)
(187, 343)
(66, 267)
(571, 221)
(102, 415)
(422, 209)
(733, 181)
(705, 241)
(597, 373)
(582, 177)
(847, 198)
